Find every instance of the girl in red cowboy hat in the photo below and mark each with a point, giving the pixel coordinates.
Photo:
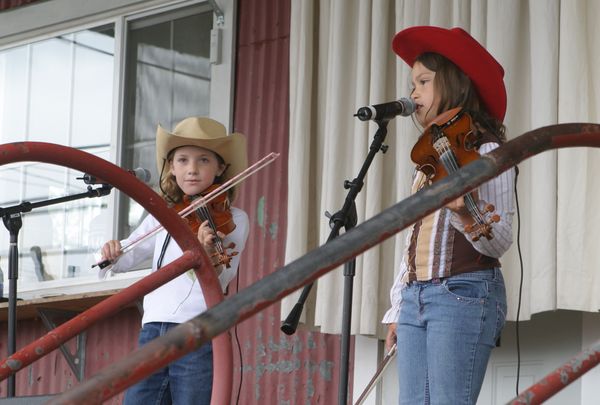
(196, 155)
(448, 300)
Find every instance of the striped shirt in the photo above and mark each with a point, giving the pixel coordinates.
(442, 225)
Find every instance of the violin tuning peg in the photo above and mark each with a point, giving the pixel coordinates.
(489, 208)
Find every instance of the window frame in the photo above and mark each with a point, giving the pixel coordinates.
(123, 13)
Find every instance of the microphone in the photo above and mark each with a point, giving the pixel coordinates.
(404, 107)
(141, 173)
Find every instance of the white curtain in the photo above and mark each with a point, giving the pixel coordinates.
(341, 59)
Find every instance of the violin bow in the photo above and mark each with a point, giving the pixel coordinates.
(232, 182)
(382, 366)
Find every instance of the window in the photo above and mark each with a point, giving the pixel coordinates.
(57, 90)
(167, 79)
(82, 89)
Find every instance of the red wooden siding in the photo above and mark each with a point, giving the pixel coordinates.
(276, 369)
(6, 4)
(106, 342)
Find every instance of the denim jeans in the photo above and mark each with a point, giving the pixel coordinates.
(446, 331)
(187, 380)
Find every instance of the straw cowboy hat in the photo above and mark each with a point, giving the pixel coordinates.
(205, 133)
(461, 48)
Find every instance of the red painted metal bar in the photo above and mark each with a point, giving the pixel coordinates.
(316, 263)
(7, 4)
(194, 257)
(560, 378)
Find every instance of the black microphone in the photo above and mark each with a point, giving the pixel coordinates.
(141, 173)
(404, 107)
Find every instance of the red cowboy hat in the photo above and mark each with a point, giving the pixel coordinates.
(461, 48)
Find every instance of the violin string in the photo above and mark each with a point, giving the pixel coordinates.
(468, 198)
(450, 162)
(204, 213)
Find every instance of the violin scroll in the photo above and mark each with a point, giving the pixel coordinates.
(224, 257)
(484, 226)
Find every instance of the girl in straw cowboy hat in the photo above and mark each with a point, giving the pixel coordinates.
(448, 300)
(196, 155)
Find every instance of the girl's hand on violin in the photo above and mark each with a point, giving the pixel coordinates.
(206, 235)
(390, 337)
(459, 206)
(111, 250)
(208, 239)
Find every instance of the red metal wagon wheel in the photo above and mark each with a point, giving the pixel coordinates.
(193, 257)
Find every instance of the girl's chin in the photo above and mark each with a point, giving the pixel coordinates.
(423, 121)
(192, 190)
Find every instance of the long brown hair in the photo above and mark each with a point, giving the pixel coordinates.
(456, 90)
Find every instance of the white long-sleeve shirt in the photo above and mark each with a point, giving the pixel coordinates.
(181, 298)
(499, 192)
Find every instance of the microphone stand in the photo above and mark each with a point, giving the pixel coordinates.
(13, 222)
(346, 217)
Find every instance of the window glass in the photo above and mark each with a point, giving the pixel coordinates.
(168, 79)
(62, 90)
(59, 91)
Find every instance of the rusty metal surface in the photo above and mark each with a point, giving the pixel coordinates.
(107, 341)
(314, 264)
(274, 368)
(560, 378)
(109, 306)
(193, 257)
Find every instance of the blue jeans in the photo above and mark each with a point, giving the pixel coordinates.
(446, 331)
(187, 380)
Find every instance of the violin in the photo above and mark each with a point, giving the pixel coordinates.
(218, 214)
(448, 143)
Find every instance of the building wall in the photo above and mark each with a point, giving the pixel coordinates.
(106, 342)
(276, 368)
(270, 367)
